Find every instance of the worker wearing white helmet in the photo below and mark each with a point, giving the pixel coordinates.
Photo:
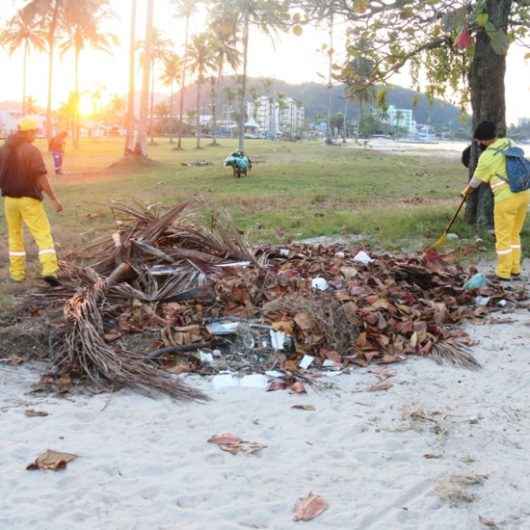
(23, 181)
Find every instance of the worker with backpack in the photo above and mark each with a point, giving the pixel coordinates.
(504, 167)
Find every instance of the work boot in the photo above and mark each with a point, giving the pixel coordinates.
(52, 281)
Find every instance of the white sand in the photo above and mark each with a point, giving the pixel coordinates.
(145, 464)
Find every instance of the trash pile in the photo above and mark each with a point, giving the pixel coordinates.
(177, 292)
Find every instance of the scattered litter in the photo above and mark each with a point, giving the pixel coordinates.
(306, 362)
(232, 444)
(255, 381)
(197, 163)
(502, 303)
(477, 281)
(310, 408)
(223, 327)
(206, 358)
(482, 300)
(52, 460)
(452, 237)
(363, 257)
(309, 507)
(31, 413)
(224, 381)
(320, 284)
(430, 456)
(284, 252)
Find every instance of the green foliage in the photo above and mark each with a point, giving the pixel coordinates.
(386, 36)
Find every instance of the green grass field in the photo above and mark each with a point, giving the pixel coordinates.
(296, 190)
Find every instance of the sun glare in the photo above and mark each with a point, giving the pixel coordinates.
(86, 106)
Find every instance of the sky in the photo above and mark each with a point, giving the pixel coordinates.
(290, 58)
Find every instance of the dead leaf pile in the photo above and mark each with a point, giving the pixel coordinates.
(163, 275)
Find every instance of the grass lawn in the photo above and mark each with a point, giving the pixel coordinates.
(296, 190)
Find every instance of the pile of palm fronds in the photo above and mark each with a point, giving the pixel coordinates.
(169, 273)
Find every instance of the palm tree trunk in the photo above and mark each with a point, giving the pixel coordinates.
(132, 82)
(330, 80)
(141, 140)
(152, 105)
(78, 98)
(242, 112)
(51, 49)
(171, 105)
(24, 76)
(213, 96)
(198, 123)
(183, 82)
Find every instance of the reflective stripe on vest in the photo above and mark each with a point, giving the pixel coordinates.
(17, 254)
(46, 251)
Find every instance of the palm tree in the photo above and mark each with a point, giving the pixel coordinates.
(268, 16)
(81, 22)
(172, 74)
(22, 31)
(160, 51)
(132, 82)
(46, 14)
(200, 61)
(223, 42)
(185, 9)
(141, 144)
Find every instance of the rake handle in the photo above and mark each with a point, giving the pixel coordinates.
(455, 216)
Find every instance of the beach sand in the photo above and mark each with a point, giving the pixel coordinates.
(382, 460)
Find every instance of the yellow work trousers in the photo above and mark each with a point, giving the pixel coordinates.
(510, 216)
(28, 211)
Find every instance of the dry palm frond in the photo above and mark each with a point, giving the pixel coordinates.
(85, 350)
(454, 354)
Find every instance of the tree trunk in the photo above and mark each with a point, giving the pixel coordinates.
(152, 105)
(51, 50)
(242, 109)
(24, 76)
(77, 99)
(129, 139)
(198, 122)
(183, 82)
(141, 141)
(213, 96)
(330, 81)
(171, 105)
(486, 83)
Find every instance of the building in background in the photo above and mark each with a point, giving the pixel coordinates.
(280, 115)
(400, 119)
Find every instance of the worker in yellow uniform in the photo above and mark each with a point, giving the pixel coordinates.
(23, 180)
(510, 208)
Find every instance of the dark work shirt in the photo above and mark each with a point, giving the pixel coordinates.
(21, 166)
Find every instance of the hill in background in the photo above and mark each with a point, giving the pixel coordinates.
(314, 97)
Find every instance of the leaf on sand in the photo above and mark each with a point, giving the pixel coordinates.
(489, 523)
(32, 413)
(298, 388)
(309, 507)
(233, 444)
(53, 460)
(304, 407)
(379, 387)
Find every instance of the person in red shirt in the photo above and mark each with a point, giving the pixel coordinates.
(57, 150)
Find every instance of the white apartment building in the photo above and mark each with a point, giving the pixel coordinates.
(401, 118)
(274, 115)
